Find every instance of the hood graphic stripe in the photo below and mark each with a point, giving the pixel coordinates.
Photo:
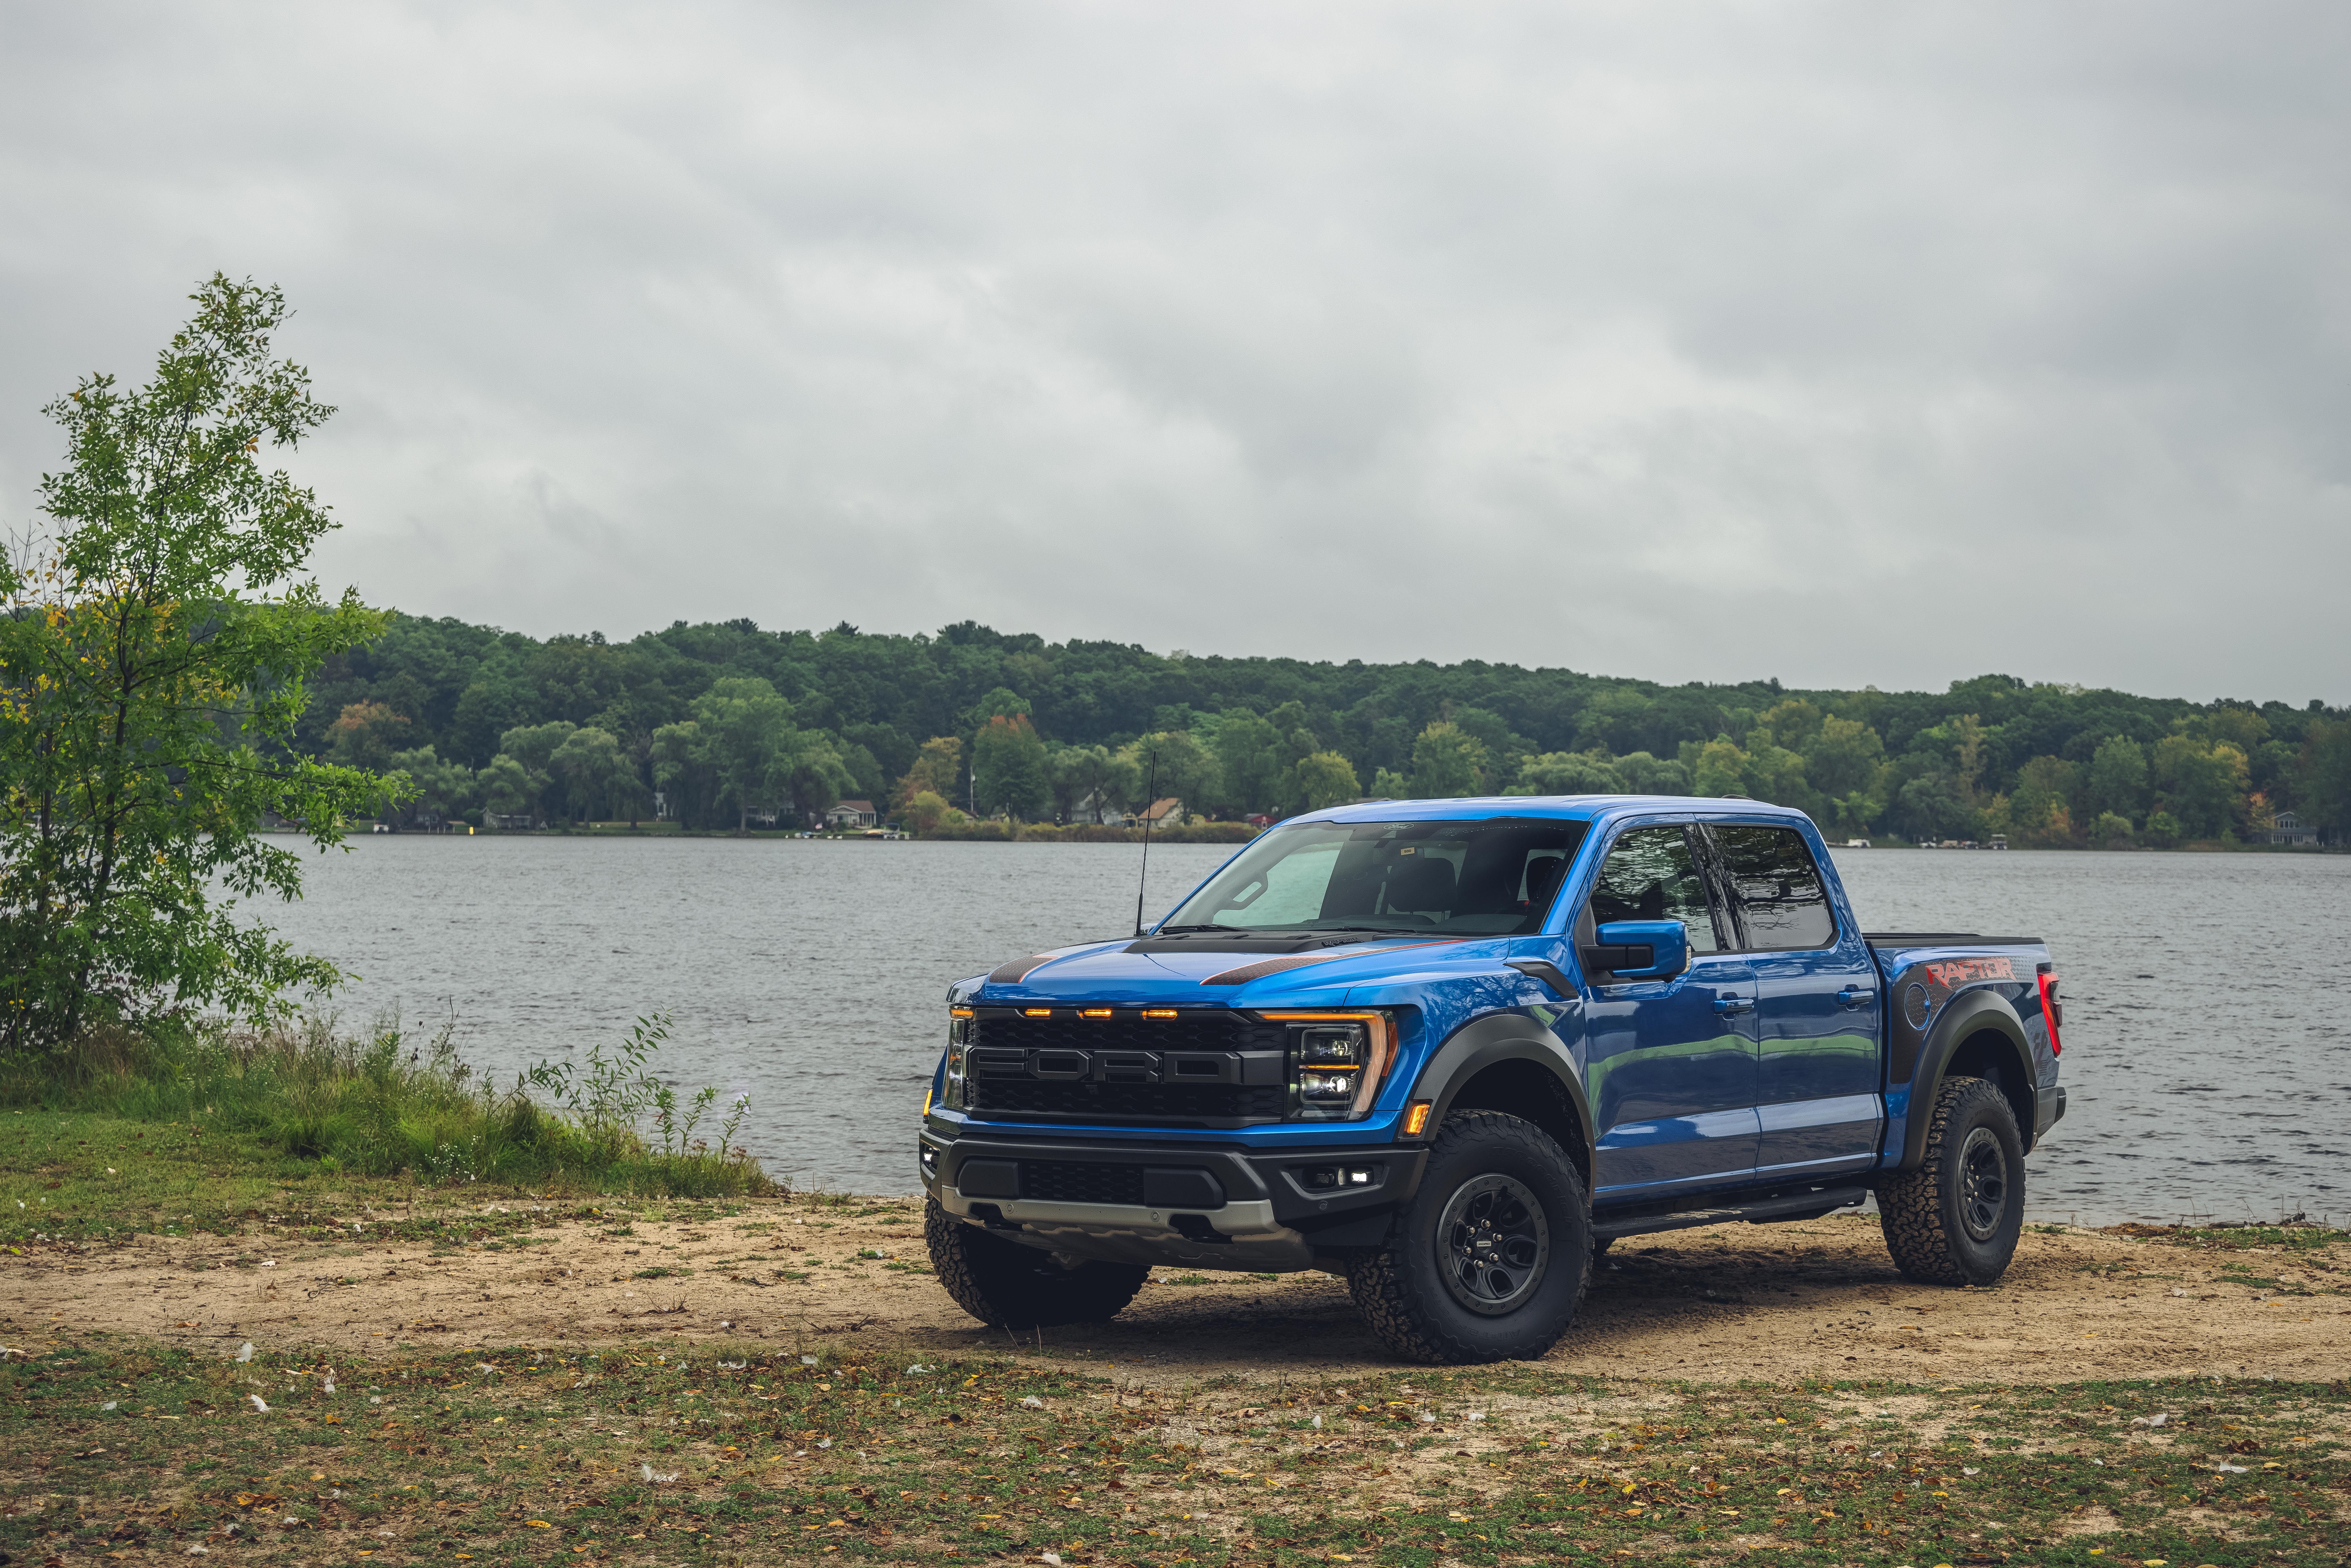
(1018, 969)
(1264, 967)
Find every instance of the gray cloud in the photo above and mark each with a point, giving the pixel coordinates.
(1827, 341)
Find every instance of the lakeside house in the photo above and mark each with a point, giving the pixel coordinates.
(1166, 813)
(2286, 828)
(1090, 809)
(851, 815)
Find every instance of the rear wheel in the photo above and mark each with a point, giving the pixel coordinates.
(1488, 1261)
(1000, 1282)
(1955, 1220)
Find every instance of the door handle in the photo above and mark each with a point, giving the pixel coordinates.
(1851, 997)
(1731, 1007)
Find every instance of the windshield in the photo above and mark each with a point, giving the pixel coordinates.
(1490, 878)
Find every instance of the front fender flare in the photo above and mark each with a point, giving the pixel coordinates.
(1488, 1042)
(1968, 1015)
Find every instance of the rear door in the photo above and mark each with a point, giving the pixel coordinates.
(1817, 1006)
(1669, 1064)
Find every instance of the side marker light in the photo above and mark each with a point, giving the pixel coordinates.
(1416, 1117)
(1036, 1012)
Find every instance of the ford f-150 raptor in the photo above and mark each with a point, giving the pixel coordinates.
(1453, 1049)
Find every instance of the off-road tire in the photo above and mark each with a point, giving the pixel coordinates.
(1523, 1177)
(1005, 1284)
(1944, 1223)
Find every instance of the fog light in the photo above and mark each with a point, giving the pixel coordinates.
(1359, 1178)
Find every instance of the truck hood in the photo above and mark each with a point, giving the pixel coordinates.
(1107, 972)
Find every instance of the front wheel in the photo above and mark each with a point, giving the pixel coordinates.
(1003, 1282)
(1487, 1262)
(1955, 1220)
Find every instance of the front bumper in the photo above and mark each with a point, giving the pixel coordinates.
(1216, 1206)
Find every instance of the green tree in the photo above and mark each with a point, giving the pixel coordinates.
(684, 774)
(506, 787)
(2115, 784)
(2039, 812)
(1250, 760)
(811, 773)
(938, 767)
(1008, 770)
(1931, 807)
(434, 787)
(1389, 785)
(2162, 828)
(1647, 775)
(156, 640)
(1325, 778)
(2112, 831)
(743, 728)
(1184, 769)
(2322, 778)
(1447, 761)
(2203, 784)
(1843, 756)
(1722, 769)
(926, 808)
(366, 735)
(1794, 724)
(1568, 773)
(1094, 776)
(595, 772)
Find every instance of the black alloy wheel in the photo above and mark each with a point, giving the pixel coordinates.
(1486, 1261)
(1497, 1244)
(1956, 1220)
(1983, 1185)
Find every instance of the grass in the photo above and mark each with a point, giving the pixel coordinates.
(682, 1454)
(224, 1117)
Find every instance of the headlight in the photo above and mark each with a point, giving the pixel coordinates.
(1337, 1062)
(958, 1033)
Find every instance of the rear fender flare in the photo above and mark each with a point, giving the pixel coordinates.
(1491, 1041)
(1970, 1014)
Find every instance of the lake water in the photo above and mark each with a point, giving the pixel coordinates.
(2205, 994)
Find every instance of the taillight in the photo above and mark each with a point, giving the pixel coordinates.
(2052, 1009)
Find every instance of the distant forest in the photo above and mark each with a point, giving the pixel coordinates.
(729, 722)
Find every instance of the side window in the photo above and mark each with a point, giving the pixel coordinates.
(1781, 901)
(1650, 875)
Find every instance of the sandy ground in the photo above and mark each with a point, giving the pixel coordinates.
(1765, 1303)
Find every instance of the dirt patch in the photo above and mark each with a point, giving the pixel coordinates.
(1765, 1304)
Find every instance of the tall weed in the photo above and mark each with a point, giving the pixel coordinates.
(391, 1102)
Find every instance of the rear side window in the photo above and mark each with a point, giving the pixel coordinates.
(1782, 904)
(1650, 875)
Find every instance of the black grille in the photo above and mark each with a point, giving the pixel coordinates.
(1126, 1030)
(1203, 1069)
(1063, 1181)
(1129, 1102)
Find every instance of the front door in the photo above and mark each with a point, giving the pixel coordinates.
(1816, 1008)
(1670, 1064)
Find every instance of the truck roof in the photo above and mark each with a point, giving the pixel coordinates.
(1564, 808)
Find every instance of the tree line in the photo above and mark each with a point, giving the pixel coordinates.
(727, 719)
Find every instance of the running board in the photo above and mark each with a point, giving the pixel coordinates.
(1809, 1203)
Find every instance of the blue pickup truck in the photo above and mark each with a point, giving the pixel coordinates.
(1453, 1049)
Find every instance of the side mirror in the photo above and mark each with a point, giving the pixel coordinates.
(1640, 949)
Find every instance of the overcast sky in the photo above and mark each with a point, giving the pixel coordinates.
(1840, 342)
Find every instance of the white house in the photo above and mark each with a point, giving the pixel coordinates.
(851, 815)
(2286, 828)
(1111, 816)
(1167, 813)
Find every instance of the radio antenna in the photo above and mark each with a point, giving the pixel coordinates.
(1151, 793)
